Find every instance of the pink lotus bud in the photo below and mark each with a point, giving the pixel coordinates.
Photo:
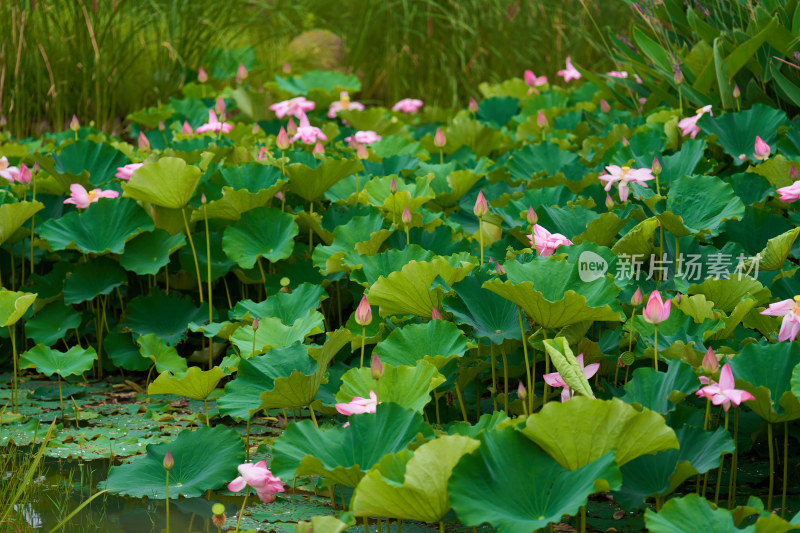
(376, 368)
(287, 68)
(24, 176)
(625, 141)
(609, 202)
(481, 207)
(241, 73)
(219, 106)
(74, 125)
(282, 423)
(291, 128)
(262, 153)
(793, 174)
(393, 186)
(361, 152)
(762, 149)
(187, 129)
(144, 144)
(436, 315)
(736, 92)
(202, 77)
(35, 169)
(406, 216)
(3, 121)
(500, 270)
(532, 217)
(656, 310)
(279, 195)
(637, 298)
(255, 129)
(530, 78)
(169, 462)
(541, 120)
(161, 125)
(604, 107)
(656, 168)
(203, 199)
(521, 391)
(282, 141)
(677, 75)
(255, 324)
(439, 139)
(318, 148)
(710, 363)
(742, 157)
(363, 314)
(473, 105)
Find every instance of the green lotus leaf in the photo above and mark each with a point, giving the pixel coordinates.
(165, 358)
(567, 365)
(52, 323)
(703, 203)
(384, 263)
(728, 293)
(124, 352)
(677, 328)
(552, 294)
(247, 187)
(736, 132)
(774, 255)
(346, 239)
(169, 182)
(223, 330)
(695, 306)
(195, 383)
(436, 341)
(344, 455)
(408, 291)
(13, 216)
(547, 158)
(205, 459)
(412, 485)
(166, 316)
(13, 305)
(273, 333)
(311, 183)
(327, 80)
(409, 386)
(639, 240)
(74, 361)
(458, 183)
(288, 306)
(735, 318)
(104, 226)
(661, 391)
(662, 473)
(602, 231)
(683, 514)
(410, 193)
(150, 251)
(329, 524)
(491, 486)
(220, 263)
(267, 233)
(766, 372)
(580, 431)
(775, 170)
(99, 275)
(99, 160)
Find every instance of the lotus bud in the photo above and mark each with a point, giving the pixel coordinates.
(282, 423)
(255, 324)
(241, 73)
(187, 129)
(24, 176)
(532, 217)
(609, 202)
(262, 153)
(637, 298)
(656, 310)
(656, 168)
(481, 207)
(361, 152)
(625, 141)
(318, 148)
(761, 149)
(291, 128)
(406, 216)
(35, 169)
(500, 270)
(3, 121)
(736, 92)
(604, 107)
(202, 77)
(219, 106)
(522, 392)
(283, 140)
(793, 174)
(436, 315)
(144, 143)
(218, 514)
(169, 462)
(678, 76)
(541, 120)
(363, 315)
(161, 125)
(255, 129)
(287, 68)
(710, 363)
(279, 195)
(473, 105)
(620, 362)
(742, 157)
(74, 125)
(393, 185)
(439, 139)
(203, 199)
(376, 368)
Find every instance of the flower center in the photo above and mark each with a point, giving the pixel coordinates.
(796, 306)
(92, 196)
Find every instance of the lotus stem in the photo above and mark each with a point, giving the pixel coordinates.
(208, 276)
(505, 377)
(167, 501)
(254, 343)
(247, 439)
(313, 416)
(408, 238)
(357, 191)
(394, 210)
(721, 462)
(12, 333)
(525, 351)
(480, 237)
(494, 372)
(785, 461)
(61, 398)
(461, 403)
(379, 525)
(734, 461)
(208, 419)
(436, 400)
(194, 254)
(363, 340)
(33, 218)
(341, 495)
(771, 466)
(366, 525)
(655, 350)
(441, 526)
(311, 215)
(332, 493)
(241, 511)
(583, 519)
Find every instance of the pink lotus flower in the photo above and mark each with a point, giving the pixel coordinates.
(7, 172)
(24, 176)
(214, 125)
(439, 139)
(555, 380)
(296, 107)
(219, 106)
(624, 175)
(689, 125)
(359, 405)
(791, 193)
(617, 74)
(790, 311)
(761, 149)
(724, 393)
(436, 314)
(307, 133)
(261, 153)
(546, 242)
(343, 103)
(569, 73)
(318, 148)
(125, 173)
(541, 119)
(363, 137)
(531, 80)
(258, 476)
(408, 105)
(187, 129)
(202, 76)
(656, 310)
(81, 198)
(241, 73)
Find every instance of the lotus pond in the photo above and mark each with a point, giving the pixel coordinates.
(276, 309)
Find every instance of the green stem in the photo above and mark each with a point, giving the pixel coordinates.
(194, 254)
(461, 403)
(241, 512)
(505, 378)
(366, 525)
(441, 527)
(719, 472)
(480, 236)
(311, 216)
(583, 519)
(734, 461)
(771, 467)
(313, 416)
(208, 419)
(494, 373)
(785, 461)
(167, 501)
(61, 398)
(247, 439)
(655, 350)
(208, 276)
(14, 391)
(527, 363)
(363, 340)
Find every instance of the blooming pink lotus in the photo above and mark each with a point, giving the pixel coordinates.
(689, 125)
(617, 74)
(569, 73)
(532, 80)
(307, 133)
(6, 171)
(790, 193)
(214, 125)
(790, 311)
(258, 476)
(359, 405)
(343, 103)
(724, 393)
(24, 176)
(81, 198)
(761, 149)
(555, 380)
(656, 310)
(622, 176)
(363, 137)
(296, 107)
(546, 242)
(125, 173)
(408, 105)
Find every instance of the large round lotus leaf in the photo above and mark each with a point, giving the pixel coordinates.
(166, 316)
(662, 473)
(703, 203)
(100, 160)
(97, 276)
(74, 361)
(766, 373)
(195, 383)
(150, 251)
(343, 455)
(410, 193)
(247, 187)
(547, 158)
(409, 386)
(272, 333)
(165, 358)
(409, 290)
(124, 352)
(412, 485)
(384, 263)
(553, 295)
(436, 341)
(680, 515)
(267, 233)
(311, 183)
(727, 293)
(169, 182)
(329, 524)
(347, 241)
(105, 226)
(640, 240)
(736, 132)
(661, 391)
(13, 216)
(13, 305)
(515, 486)
(205, 459)
(288, 306)
(52, 323)
(491, 316)
(579, 431)
(774, 254)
